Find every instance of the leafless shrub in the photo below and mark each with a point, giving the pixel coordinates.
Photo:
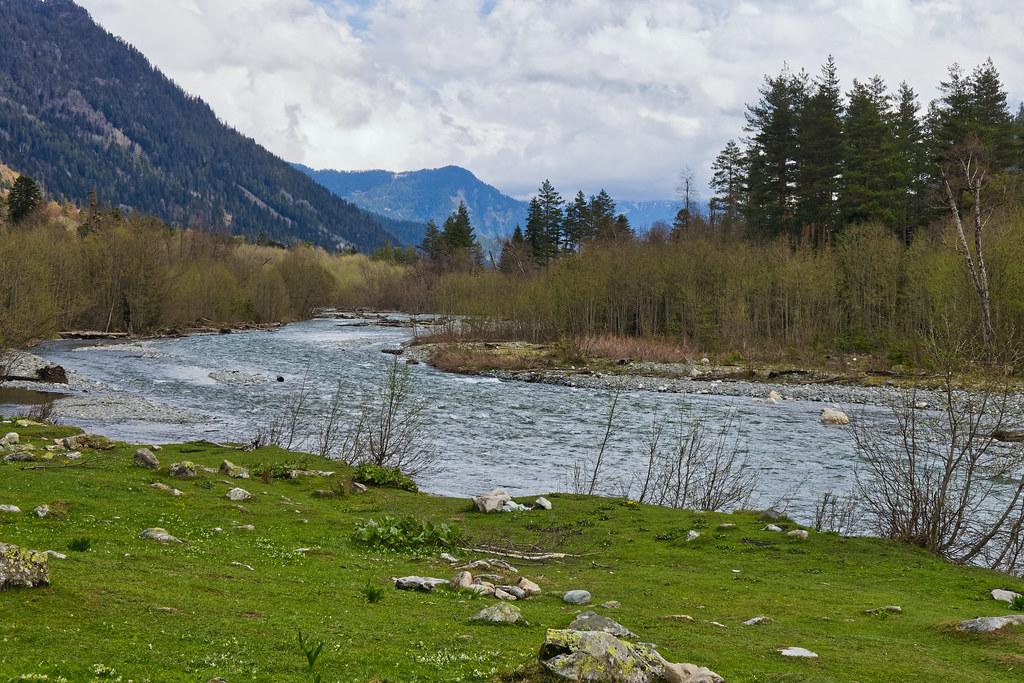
(391, 428)
(8, 359)
(43, 411)
(703, 468)
(329, 432)
(841, 514)
(586, 473)
(937, 479)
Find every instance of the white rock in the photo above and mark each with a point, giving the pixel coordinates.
(9, 508)
(1000, 594)
(772, 527)
(985, 624)
(692, 535)
(834, 417)
(42, 511)
(758, 620)
(10, 438)
(797, 533)
(158, 534)
(542, 502)
(774, 395)
(796, 652)
(238, 494)
(54, 554)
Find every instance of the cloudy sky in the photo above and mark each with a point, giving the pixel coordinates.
(615, 94)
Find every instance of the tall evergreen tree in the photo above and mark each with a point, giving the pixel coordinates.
(773, 154)
(911, 162)
(728, 183)
(820, 157)
(601, 210)
(432, 245)
(871, 190)
(23, 198)
(459, 239)
(514, 254)
(544, 223)
(575, 222)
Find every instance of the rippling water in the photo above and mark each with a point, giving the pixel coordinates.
(523, 437)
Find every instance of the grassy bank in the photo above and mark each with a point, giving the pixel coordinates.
(133, 609)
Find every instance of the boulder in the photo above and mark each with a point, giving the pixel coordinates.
(599, 656)
(42, 511)
(230, 469)
(576, 597)
(797, 533)
(796, 652)
(527, 586)
(690, 673)
(502, 613)
(145, 458)
(158, 534)
(95, 442)
(10, 508)
(237, 494)
(10, 438)
(184, 470)
(834, 417)
(1005, 595)
(23, 568)
(692, 535)
(493, 501)
(592, 621)
(421, 583)
(1009, 435)
(542, 503)
(461, 580)
(502, 594)
(985, 624)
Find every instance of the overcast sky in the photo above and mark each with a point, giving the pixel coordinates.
(614, 94)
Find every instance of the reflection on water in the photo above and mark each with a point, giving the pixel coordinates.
(524, 437)
(14, 400)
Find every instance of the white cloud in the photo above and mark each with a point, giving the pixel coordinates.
(589, 93)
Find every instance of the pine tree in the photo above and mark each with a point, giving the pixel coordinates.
(728, 183)
(910, 160)
(773, 153)
(601, 210)
(513, 259)
(990, 115)
(820, 157)
(432, 245)
(23, 198)
(544, 223)
(871, 190)
(576, 221)
(460, 244)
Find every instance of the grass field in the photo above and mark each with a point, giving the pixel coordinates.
(131, 609)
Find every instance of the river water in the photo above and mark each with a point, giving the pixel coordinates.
(524, 437)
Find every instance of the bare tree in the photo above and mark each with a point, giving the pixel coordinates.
(841, 514)
(392, 428)
(329, 431)
(703, 468)
(939, 480)
(967, 171)
(586, 474)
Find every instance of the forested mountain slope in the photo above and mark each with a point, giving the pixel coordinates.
(81, 109)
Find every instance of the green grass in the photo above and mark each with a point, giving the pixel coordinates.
(144, 611)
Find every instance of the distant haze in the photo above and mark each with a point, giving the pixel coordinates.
(588, 93)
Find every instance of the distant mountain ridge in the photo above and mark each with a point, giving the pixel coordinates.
(82, 109)
(435, 192)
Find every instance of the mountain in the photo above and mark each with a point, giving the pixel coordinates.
(435, 193)
(82, 109)
(427, 194)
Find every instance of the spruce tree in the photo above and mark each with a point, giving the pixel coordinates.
(820, 157)
(23, 198)
(773, 154)
(728, 183)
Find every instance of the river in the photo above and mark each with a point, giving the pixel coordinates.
(524, 437)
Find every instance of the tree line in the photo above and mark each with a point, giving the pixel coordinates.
(96, 268)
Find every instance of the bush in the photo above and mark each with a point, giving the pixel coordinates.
(406, 533)
(391, 477)
(80, 544)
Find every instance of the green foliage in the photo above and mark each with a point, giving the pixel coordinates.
(1017, 603)
(276, 470)
(23, 199)
(379, 475)
(406, 533)
(372, 593)
(80, 544)
(311, 649)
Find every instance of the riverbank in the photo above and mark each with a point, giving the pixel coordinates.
(540, 363)
(230, 599)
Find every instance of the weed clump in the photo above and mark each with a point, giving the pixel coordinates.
(406, 533)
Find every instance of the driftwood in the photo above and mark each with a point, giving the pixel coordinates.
(539, 557)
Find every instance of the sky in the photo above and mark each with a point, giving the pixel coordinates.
(621, 95)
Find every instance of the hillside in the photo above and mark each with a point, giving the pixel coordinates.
(80, 110)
